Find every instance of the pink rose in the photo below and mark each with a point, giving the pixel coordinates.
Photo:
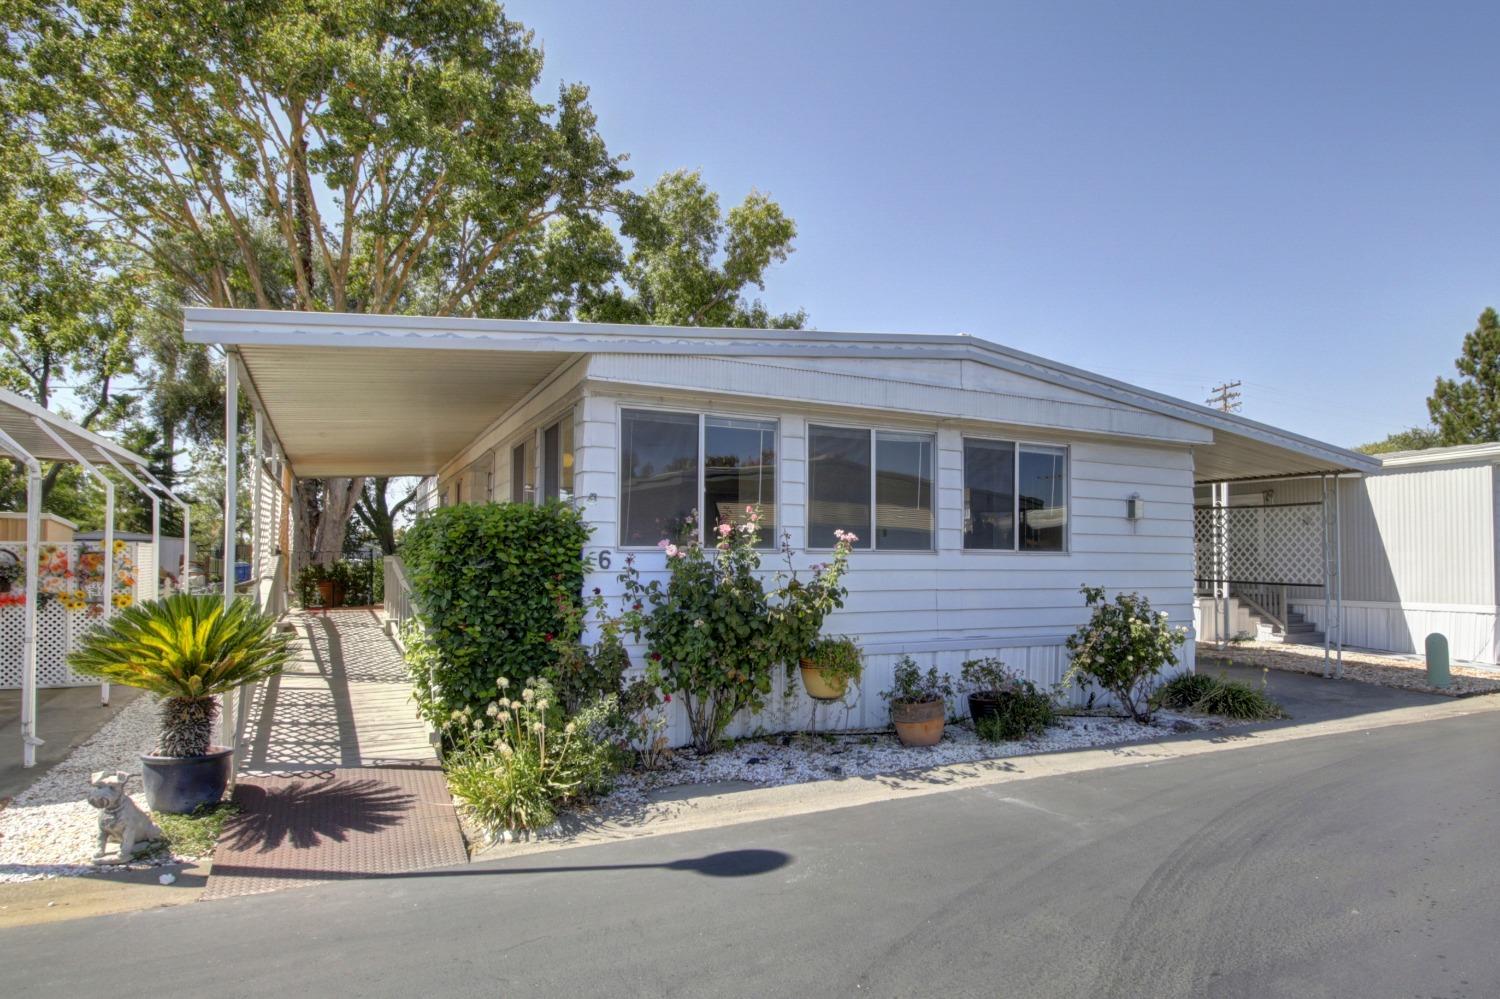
(724, 530)
(670, 549)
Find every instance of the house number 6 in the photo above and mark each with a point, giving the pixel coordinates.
(604, 560)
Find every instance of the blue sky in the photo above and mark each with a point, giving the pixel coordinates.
(1301, 196)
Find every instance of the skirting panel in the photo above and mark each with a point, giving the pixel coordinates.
(1471, 631)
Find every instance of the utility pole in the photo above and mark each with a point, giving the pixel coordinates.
(1226, 397)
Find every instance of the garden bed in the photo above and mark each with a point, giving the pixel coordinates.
(49, 830)
(802, 758)
(1365, 667)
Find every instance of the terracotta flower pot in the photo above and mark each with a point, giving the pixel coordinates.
(918, 724)
(820, 685)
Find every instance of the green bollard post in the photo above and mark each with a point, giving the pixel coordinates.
(1437, 661)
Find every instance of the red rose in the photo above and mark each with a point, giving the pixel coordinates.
(666, 698)
(549, 636)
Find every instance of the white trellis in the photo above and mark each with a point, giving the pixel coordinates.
(30, 435)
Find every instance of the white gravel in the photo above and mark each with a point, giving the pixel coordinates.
(798, 759)
(49, 830)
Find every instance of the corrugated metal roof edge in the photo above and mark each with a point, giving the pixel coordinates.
(1442, 455)
(235, 327)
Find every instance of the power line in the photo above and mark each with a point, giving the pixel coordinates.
(1226, 397)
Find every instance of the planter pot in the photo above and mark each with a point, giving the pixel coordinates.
(331, 593)
(181, 784)
(985, 704)
(919, 724)
(819, 685)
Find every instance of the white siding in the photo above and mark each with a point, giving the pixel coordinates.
(946, 605)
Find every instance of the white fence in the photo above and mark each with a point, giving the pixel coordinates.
(71, 593)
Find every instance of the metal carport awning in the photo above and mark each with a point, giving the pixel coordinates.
(29, 435)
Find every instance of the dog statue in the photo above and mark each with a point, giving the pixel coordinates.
(120, 818)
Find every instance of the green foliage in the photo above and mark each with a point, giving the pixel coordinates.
(839, 658)
(799, 608)
(422, 664)
(988, 675)
(580, 672)
(487, 579)
(1122, 648)
(714, 632)
(910, 685)
(1021, 712)
(1412, 439)
(356, 583)
(183, 646)
(185, 649)
(194, 835)
(1184, 691)
(1218, 696)
(690, 264)
(516, 762)
(1466, 410)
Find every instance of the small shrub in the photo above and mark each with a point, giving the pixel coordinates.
(1021, 713)
(986, 676)
(1218, 696)
(1122, 648)
(643, 723)
(910, 685)
(518, 761)
(487, 578)
(1183, 691)
(581, 673)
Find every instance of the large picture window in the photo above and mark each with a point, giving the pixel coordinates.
(1015, 496)
(673, 464)
(876, 483)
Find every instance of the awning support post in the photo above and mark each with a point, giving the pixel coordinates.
(231, 519)
(1338, 570)
(186, 524)
(107, 590)
(155, 509)
(29, 738)
(1327, 582)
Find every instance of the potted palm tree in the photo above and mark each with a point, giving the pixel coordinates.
(186, 650)
(829, 666)
(918, 703)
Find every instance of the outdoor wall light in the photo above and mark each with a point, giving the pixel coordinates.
(1135, 507)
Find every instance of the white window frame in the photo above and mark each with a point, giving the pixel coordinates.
(703, 415)
(871, 528)
(1015, 498)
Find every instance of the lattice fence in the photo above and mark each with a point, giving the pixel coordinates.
(1267, 544)
(71, 582)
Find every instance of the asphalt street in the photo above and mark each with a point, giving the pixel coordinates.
(1357, 865)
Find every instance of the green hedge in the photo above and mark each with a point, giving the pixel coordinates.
(485, 578)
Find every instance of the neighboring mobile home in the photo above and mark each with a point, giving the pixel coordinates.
(986, 485)
(1418, 540)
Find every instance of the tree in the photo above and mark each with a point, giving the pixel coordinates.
(376, 514)
(690, 265)
(395, 152)
(1466, 410)
(1411, 439)
(68, 310)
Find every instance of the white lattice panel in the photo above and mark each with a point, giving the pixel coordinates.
(1266, 544)
(62, 617)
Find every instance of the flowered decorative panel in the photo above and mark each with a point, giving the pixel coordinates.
(70, 585)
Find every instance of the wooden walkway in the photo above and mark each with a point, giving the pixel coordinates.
(337, 779)
(343, 701)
